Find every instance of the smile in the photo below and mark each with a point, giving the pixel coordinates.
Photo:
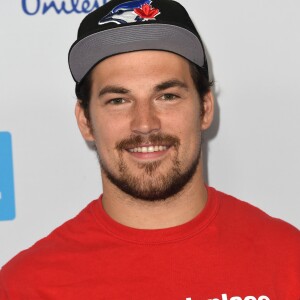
(149, 149)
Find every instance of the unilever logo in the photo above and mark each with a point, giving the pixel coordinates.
(34, 7)
(7, 195)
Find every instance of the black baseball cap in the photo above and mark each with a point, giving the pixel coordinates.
(122, 26)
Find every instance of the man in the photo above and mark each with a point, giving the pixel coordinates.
(157, 232)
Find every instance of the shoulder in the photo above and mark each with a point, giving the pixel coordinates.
(50, 251)
(258, 243)
(244, 218)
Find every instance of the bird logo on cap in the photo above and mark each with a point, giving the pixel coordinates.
(131, 12)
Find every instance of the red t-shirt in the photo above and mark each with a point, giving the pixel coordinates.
(230, 251)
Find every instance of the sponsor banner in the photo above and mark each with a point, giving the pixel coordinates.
(7, 195)
(37, 7)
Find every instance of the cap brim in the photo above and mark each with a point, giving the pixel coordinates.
(87, 52)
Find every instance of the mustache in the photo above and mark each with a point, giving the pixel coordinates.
(152, 139)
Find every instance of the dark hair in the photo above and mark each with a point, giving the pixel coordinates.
(202, 84)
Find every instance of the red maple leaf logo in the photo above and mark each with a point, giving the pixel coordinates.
(147, 12)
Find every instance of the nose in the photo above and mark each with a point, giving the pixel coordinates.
(145, 119)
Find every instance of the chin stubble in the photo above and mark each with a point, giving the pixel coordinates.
(152, 185)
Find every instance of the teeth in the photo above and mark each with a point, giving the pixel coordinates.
(149, 149)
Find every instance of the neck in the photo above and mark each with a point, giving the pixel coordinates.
(170, 212)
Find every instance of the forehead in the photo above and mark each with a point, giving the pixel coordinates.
(142, 66)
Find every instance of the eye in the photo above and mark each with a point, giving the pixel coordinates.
(116, 101)
(169, 97)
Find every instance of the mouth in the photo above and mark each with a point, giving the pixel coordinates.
(148, 153)
(148, 149)
(153, 147)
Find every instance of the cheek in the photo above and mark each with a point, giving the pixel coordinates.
(187, 123)
(107, 132)
(188, 129)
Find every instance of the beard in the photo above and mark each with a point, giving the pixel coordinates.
(151, 184)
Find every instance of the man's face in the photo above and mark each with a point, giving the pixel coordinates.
(145, 123)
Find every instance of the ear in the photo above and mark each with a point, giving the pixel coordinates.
(83, 123)
(208, 114)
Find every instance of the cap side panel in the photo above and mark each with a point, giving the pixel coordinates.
(96, 47)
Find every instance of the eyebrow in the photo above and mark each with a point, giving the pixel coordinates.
(113, 89)
(169, 84)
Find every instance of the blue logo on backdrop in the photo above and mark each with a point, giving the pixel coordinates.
(34, 7)
(7, 195)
